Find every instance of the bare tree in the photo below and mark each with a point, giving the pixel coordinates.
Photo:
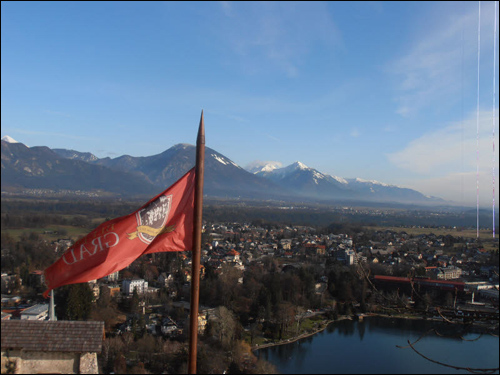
(224, 326)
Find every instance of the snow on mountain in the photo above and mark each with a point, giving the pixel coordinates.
(263, 166)
(299, 165)
(267, 178)
(310, 182)
(276, 168)
(76, 155)
(338, 179)
(371, 182)
(9, 139)
(224, 160)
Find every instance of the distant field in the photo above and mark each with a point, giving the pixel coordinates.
(71, 232)
(468, 233)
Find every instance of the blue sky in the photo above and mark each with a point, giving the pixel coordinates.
(382, 91)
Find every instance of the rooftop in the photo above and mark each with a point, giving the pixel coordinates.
(36, 309)
(52, 336)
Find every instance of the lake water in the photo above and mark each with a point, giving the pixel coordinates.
(369, 347)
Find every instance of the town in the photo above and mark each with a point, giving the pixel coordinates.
(264, 284)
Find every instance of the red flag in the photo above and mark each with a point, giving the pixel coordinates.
(165, 223)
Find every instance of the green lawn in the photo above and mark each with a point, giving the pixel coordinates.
(71, 232)
(468, 233)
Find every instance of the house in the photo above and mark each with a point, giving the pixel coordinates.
(112, 277)
(320, 288)
(95, 289)
(128, 286)
(203, 313)
(6, 316)
(36, 312)
(169, 326)
(9, 282)
(232, 256)
(348, 257)
(165, 279)
(286, 244)
(10, 300)
(114, 290)
(37, 347)
(448, 273)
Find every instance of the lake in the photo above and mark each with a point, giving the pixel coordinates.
(369, 347)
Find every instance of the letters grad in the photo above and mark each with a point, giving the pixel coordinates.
(165, 223)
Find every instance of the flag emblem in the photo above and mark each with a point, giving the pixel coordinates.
(151, 219)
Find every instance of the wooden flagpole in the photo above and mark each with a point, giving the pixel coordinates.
(195, 273)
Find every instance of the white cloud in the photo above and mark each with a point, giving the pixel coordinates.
(442, 62)
(445, 159)
(276, 35)
(461, 188)
(444, 149)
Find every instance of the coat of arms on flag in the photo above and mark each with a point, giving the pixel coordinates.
(151, 219)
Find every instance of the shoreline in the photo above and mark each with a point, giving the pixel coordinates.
(326, 323)
(302, 336)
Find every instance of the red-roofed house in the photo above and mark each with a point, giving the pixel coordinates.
(233, 256)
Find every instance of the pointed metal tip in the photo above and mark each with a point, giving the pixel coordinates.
(201, 130)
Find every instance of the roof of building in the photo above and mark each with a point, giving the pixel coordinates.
(52, 336)
(6, 315)
(418, 280)
(36, 309)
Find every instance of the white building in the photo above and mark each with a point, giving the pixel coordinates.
(128, 286)
(113, 277)
(37, 312)
(448, 273)
(349, 257)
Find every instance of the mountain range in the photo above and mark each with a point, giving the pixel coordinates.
(61, 169)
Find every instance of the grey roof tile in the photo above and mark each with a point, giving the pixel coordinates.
(63, 336)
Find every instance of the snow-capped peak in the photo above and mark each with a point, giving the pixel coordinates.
(263, 166)
(268, 168)
(371, 182)
(9, 139)
(299, 165)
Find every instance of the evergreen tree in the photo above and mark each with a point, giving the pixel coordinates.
(74, 302)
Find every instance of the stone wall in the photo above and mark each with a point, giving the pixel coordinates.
(27, 362)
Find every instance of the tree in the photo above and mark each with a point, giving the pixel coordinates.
(104, 296)
(74, 302)
(120, 365)
(227, 280)
(224, 326)
(285, 317)
(264, 367)
(134, 302)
